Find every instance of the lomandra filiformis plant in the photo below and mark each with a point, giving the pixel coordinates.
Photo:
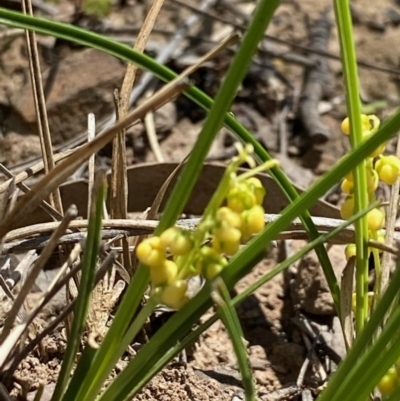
(386, 169)
(234, 215)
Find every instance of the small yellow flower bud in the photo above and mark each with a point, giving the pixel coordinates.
(227, 233)
(252, 221)
(347, 208)
(169, 235)
(347, 186)
(350, 251)
(366, 123)
(226, 247)
(257, 188)
(164, 273)
(177, 241)
(229, 216)
(345, 126)
(240, 198)
(388, 383)
(372, 180)
(151, 252)
(210, 257)
(388, 168)
(387, 174)
(173, 294)
(155, 242)
(375, 219)
(212, 270)
(182, 245)
(210, 254)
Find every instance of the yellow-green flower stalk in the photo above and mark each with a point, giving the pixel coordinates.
(235, 213)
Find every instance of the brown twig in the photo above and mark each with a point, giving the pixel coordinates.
(316, 83)
(91, 133)
(49, 209)
(20, 240)
(152, 135)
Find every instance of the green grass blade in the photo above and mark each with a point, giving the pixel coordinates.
(85, 290)
(230, 319)
(85, 363)
(349, 63)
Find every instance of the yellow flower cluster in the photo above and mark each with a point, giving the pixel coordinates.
(164, 272)
(178, 254)
(378, 167)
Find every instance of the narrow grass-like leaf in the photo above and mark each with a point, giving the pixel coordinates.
(230, 319)
(349, 63)
(85, 363)
(90, 258)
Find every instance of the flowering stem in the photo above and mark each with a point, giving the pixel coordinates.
(259, 169)
(348, 55)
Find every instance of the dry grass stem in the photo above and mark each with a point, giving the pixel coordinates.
(34, 272)
(49, 209)
(40, 105)
(91, 133)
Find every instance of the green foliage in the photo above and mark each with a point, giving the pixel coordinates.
(367, 361)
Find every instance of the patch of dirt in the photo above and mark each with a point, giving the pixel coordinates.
(180, 383)
(274, 318)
